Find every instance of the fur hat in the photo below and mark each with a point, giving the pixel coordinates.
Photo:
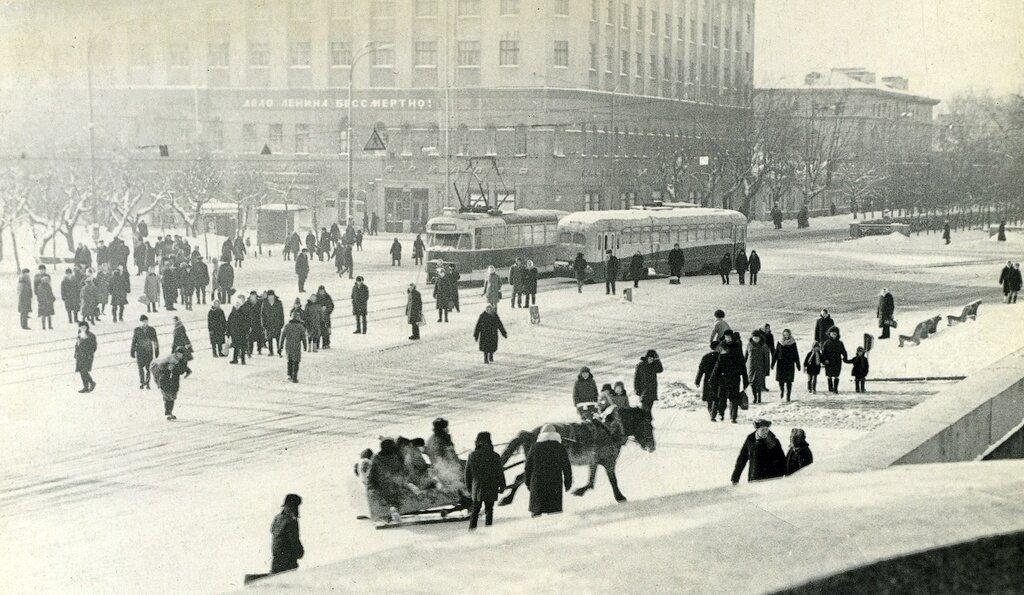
(483, 439)
(762, 423)
(292, 500)
(548, 434)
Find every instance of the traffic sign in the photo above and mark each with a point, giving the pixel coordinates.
(375, 143)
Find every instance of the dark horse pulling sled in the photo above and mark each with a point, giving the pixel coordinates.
(436, 494)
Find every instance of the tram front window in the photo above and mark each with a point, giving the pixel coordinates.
(449, 240)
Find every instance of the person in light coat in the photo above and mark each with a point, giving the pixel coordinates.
(492, 287)
(152, 290)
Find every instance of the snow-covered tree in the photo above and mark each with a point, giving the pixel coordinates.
(191, 187)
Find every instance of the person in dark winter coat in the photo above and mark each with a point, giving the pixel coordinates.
(860, 370)
(725, 268)
(730, 370)
(886, 311)
(292, 246)
(637, 270)
(227, 250)
(120, 287)
(1006, 280)
(777, 216)
(488, 325)
(645, 379)
(272, 319)
(762, 451)
(414, 311)
(676, 261)
(547, 471)
(787, 360)
(313, 318)
(799, 455)
(216, 327)
(140, 257)
(759, 363)
(326, 303)
(294, 339)
(226, 282)
(285, 545)
(42, 286)
(167, 373)
(238, 330)
(444, 288)
(484, 478)
(584, 394)
(769, 340)
(833, 356)
(754, 266)
(180, 343)
(324, 246)
(611, 273)
(24, 297)
(710, 392)
(417, 250)
(145, 348)
(741, 266)
(90, 301)
(302, 268)
(822, 326)
(812, 367)
(579, 268)
(1015, 288)
(396, 253)
(360, 302)
(71, 294)
(530, 274)
(85, 350)
(516, 279)
(200, 279)
(946, 235)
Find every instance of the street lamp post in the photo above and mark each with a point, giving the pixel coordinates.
(362, 53)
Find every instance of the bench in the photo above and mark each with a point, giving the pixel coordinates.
(920, 333)
(970, 311)
(933, 325)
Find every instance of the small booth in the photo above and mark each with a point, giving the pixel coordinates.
(277, 221)
(219, 218)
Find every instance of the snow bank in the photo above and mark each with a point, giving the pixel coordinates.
(879, 241)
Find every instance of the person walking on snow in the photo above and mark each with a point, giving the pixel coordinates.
(759, 362)
(763, 453)
(741, 266)
(637, 270)
(799, 455)
(645, 379)
(145, 348)
(584, 394)
(216, 327)
(710, 391)
(721, 327)
(24, 297)
(886, 311)
(786, 363)
(293, 337)
(547, 470)
(676, 262)
(42, 285)
(167, 373)
(396, 253)
(485, 333)
(360, 301)
(725, 268)
(579, 268)
(85, 351)
(484, 478)
(285, 545)
(492, 287)
(822, 326)
(302, 268)
(418, 248)
(71, 294)
(1006, 280)
(611, 273)
(833, 356)
(272, 318)
(414, 311)
(754, 266)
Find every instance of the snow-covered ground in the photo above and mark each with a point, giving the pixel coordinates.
(100, 493)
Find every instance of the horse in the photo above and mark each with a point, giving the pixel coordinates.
(590, 443)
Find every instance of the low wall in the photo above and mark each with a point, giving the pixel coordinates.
(958, 424)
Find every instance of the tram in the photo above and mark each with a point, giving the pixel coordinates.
(704, 235)
(473, 239)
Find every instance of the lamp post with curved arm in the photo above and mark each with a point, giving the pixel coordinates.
(366, 50)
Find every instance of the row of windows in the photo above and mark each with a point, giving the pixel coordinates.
(302, 10)
(664, 236)
(515, 236)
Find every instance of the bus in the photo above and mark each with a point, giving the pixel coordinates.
(473, 239)
(704, 235)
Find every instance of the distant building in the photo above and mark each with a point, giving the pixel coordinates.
(880, 122)
(573, 99)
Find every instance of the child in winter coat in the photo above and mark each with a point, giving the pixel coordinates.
(812, 367)
(584, 394)
(620, 398)
(860, 370)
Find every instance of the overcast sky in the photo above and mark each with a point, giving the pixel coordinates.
(942, 46)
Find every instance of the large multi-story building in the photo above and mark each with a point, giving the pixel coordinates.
(869, 127)
(566, 103)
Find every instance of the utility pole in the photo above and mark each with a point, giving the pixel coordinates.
(447, 109)
(92, 119)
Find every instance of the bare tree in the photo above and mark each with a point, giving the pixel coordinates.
(250, 190)
(862, 186)
(821, 150)
(134, 195)
(16, 190)
(65, 197)
(191, 188)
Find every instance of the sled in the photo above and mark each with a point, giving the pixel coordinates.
(251, 578)
(427, 518)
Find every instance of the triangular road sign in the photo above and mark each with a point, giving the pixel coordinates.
(375, 143)
(266, 150)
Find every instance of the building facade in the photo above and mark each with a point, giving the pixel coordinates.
(527, 103)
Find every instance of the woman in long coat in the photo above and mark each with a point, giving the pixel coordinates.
(90, 301)
(762, 451)
(547, 471)
(759, 362)
(85, 350)
(833, 355)
(217, 327)
(886, 310)
(24, 297)
(787, 361)
(152, 290)
(488, 325)
(103, 287)
(444, 290)
(43, 286)
(636, 268)
(313, 319)
(485, 479)
(492, 287)
(120, 286)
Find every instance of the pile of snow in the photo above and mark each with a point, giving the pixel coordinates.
(880, 241)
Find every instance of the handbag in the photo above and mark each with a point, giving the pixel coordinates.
(423, 320)
(744, 401)
(142, 298)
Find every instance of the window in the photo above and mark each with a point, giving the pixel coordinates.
(668, 25)
(666, 72)
(609, 59)
(491, 137)
(298, 10)
(591, 202)
(404, 136)
(639, 18)
(382, 9)
(275, 133)
(624, 63)
(654, 66)
(341, 9)
(215, 129)
(302, 138)
(509, 7)
(693, 30)
(704, 33)
(140, 55)
(298, 54)
(259, 54)
(341, 53)
(519, 150)
(562, 7)
(714, 38)
(469, 8)
(727, 37)
(557, 135)
(595, 10)
(593, 56)
(507, 202)
(654, 22)
(639, 65)
(343, 136)
(611, 12)
(249, 132)
(433, 140)
(625, 15)
(562, 54)
(680, 27)
(426, 8)
(383, 55)
(426, 54)
(177, 55)
(469, 53)
(508, 52)
(218, 54)
(462, 140)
